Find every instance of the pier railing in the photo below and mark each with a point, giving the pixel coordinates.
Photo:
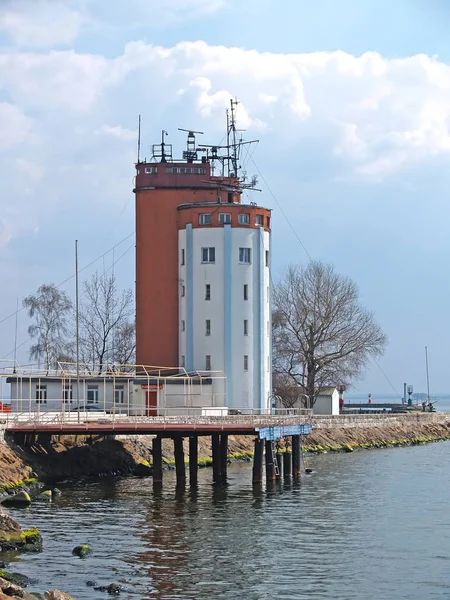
(167, 416)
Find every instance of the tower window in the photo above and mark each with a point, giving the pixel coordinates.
(183, 361)
(208, 362)
(183, 290)
(244, 219)
(268, 221)
(245, 327)
(204, 219)
(267, 258)
(182, 256)
(230, 197)
(245, 291)
(208, 327)
(207, 291)
(183, 325)
(224, 218)
(268, 294)
(151, 170)
(245, 362)
(259, 219)
(245, 255)
(208, 255)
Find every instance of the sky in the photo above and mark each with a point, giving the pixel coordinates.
(350, 102)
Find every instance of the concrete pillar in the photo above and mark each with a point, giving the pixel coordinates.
(157, 461)
(193, 460)
(287, 464)
(258, 462)
(215, 444)
(179, 461)
(295, 455)
(223, 457)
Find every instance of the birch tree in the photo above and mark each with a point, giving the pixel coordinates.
(322, 336)
(50, 309)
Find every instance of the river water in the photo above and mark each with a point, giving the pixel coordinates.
(367, 525)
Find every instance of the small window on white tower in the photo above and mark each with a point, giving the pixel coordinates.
(208, 362)
(182, 256)
(183, 325)
(245, 291)
(208, 327)
(183, 361)
(268, 364)
(207, 291)
(245, 362)
(224, 218)
(245, 255)
(259, 220)
(208, 255)
(267, 258)
(204, 219)
(183, 290)
(245, 327)
(244, 219)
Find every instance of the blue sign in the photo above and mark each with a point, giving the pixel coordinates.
(275, 433)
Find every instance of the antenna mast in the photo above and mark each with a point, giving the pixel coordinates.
(139, 139)
(234, 146)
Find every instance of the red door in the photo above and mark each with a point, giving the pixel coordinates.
(151, 400)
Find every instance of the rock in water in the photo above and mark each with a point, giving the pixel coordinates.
(13, 538)
(82, 551)
(47, 494)
(15, 578)
(19, 499)
(57, 595)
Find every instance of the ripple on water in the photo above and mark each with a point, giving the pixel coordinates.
(364, 526)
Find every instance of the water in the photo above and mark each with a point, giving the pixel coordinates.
(368, 525)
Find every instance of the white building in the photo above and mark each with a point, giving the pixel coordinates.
(224, 298)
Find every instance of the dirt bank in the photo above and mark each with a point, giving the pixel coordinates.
(73, 457)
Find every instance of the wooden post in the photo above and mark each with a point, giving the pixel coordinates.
(215, 443)
(223, 457)
(193, 460)
(287, 464)
(270, 471)
(157, 461)
(258, 462)
(179, 460)
(295, 455)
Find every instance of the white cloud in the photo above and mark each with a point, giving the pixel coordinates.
(14, 125)
(121, 133)
(39, 23)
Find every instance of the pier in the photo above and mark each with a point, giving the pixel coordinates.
(267, 430)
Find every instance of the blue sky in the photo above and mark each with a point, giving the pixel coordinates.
(350, 102)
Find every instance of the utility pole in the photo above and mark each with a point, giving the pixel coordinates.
(77, 329)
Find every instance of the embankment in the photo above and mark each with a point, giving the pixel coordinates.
(72, 457)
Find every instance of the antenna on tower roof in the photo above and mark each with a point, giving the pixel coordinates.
(190, 154)
(139, 139)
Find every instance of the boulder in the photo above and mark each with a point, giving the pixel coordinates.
(22, 541)
(113, 589)
(20, 499)
(47, 494)
(10, 589)
(15, 578)
(82, 551)
(57, 595)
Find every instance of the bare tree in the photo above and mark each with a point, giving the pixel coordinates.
(50, 309)
(106, 332)
(322, 336)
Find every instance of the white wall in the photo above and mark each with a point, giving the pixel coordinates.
(243, 387)
(327, 404)
(23, 395)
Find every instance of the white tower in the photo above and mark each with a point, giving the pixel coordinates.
(224, 297)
